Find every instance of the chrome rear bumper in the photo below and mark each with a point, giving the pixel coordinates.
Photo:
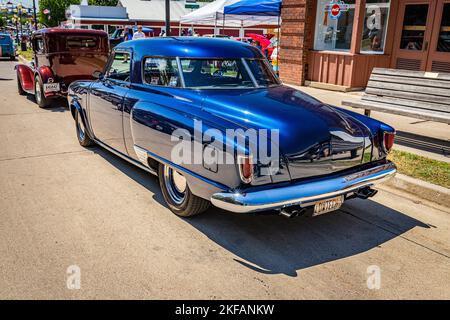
(303, 194)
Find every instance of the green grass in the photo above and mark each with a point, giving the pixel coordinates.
(26, 54)
(433, 171)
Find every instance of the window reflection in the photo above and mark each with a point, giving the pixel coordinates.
(375, 26)
(334, 32)
(414, 26)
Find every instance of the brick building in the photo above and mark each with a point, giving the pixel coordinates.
(337, 43)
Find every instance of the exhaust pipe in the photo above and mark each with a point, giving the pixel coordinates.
(291, 212)
(366, 193)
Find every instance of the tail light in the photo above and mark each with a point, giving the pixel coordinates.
(245, 168)
(388, 138)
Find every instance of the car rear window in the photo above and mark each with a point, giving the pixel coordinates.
(77, 42)
(5, 39)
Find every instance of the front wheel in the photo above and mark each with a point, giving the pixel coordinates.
(41, 100)
(82, 135)
(177, 194)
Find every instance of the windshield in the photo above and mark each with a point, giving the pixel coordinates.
(226, 73)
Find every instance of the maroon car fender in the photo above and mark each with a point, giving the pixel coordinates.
(46, 75)
(26, 77)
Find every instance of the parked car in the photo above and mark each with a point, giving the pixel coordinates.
(152, 88)
(7, 47)
(61, 56)
(118, 35)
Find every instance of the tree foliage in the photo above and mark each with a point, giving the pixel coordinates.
(57, 11)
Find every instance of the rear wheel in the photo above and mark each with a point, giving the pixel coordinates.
(41, 100)
(19, 86)
(82, 135)
(13, 58)
(177, 194)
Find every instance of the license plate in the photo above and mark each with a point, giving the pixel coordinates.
(51, 87)
(328, 205)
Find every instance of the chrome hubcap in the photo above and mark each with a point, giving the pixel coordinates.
(176, 185)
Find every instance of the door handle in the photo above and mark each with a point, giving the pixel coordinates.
(425, 46)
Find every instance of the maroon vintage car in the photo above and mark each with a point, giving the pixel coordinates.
(61, 56)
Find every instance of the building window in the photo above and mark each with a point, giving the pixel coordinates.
(375, 26)
(334, 25)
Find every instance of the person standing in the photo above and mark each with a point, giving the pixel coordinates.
(128, 34)
(274, 58)
(139, 34)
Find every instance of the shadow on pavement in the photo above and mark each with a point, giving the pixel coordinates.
(270, 244)
(57, 105)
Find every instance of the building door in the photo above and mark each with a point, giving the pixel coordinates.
(422, 40)
(439, 51)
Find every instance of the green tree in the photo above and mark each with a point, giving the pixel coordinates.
(111, 3)
(2, 22)
(57, 11)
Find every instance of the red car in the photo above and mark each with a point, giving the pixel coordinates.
(61, 56)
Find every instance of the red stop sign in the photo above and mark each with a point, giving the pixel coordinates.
(335, 10)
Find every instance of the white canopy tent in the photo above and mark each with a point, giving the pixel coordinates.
(212, 15)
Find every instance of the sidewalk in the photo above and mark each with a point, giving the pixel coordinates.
(400, 123)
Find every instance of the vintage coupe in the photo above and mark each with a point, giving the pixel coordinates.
(61, 56)
(150, 88)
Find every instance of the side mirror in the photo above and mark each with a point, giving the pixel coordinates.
(97, 74)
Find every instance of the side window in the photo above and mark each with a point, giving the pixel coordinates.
(39, 45)
(161, 72)
(120, 67)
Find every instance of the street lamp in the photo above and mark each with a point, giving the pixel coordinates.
(34, 15)
(19, 12)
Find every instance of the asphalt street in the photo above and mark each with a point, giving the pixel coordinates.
(65, 208)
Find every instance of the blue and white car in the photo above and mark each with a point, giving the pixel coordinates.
(7, 47)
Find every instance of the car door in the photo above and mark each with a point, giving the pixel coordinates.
(107, 99)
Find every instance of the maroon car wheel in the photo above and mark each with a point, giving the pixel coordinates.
(41, 100)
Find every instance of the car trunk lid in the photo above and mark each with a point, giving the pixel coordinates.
(315, 139)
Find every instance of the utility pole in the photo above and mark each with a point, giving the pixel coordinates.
(167, 18)
(34, 15)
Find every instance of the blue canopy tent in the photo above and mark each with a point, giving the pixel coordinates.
(255, 8)
(259, 8)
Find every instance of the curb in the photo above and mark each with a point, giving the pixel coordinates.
(421, 189)
(22, 60)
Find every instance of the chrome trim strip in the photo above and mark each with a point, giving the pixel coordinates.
(303, 194)
(125, 157)
(250, 73)
(184, 170)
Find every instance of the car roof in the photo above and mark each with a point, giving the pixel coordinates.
(71, 31)
(191, 47)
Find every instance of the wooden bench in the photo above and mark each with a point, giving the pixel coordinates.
(422, 95)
